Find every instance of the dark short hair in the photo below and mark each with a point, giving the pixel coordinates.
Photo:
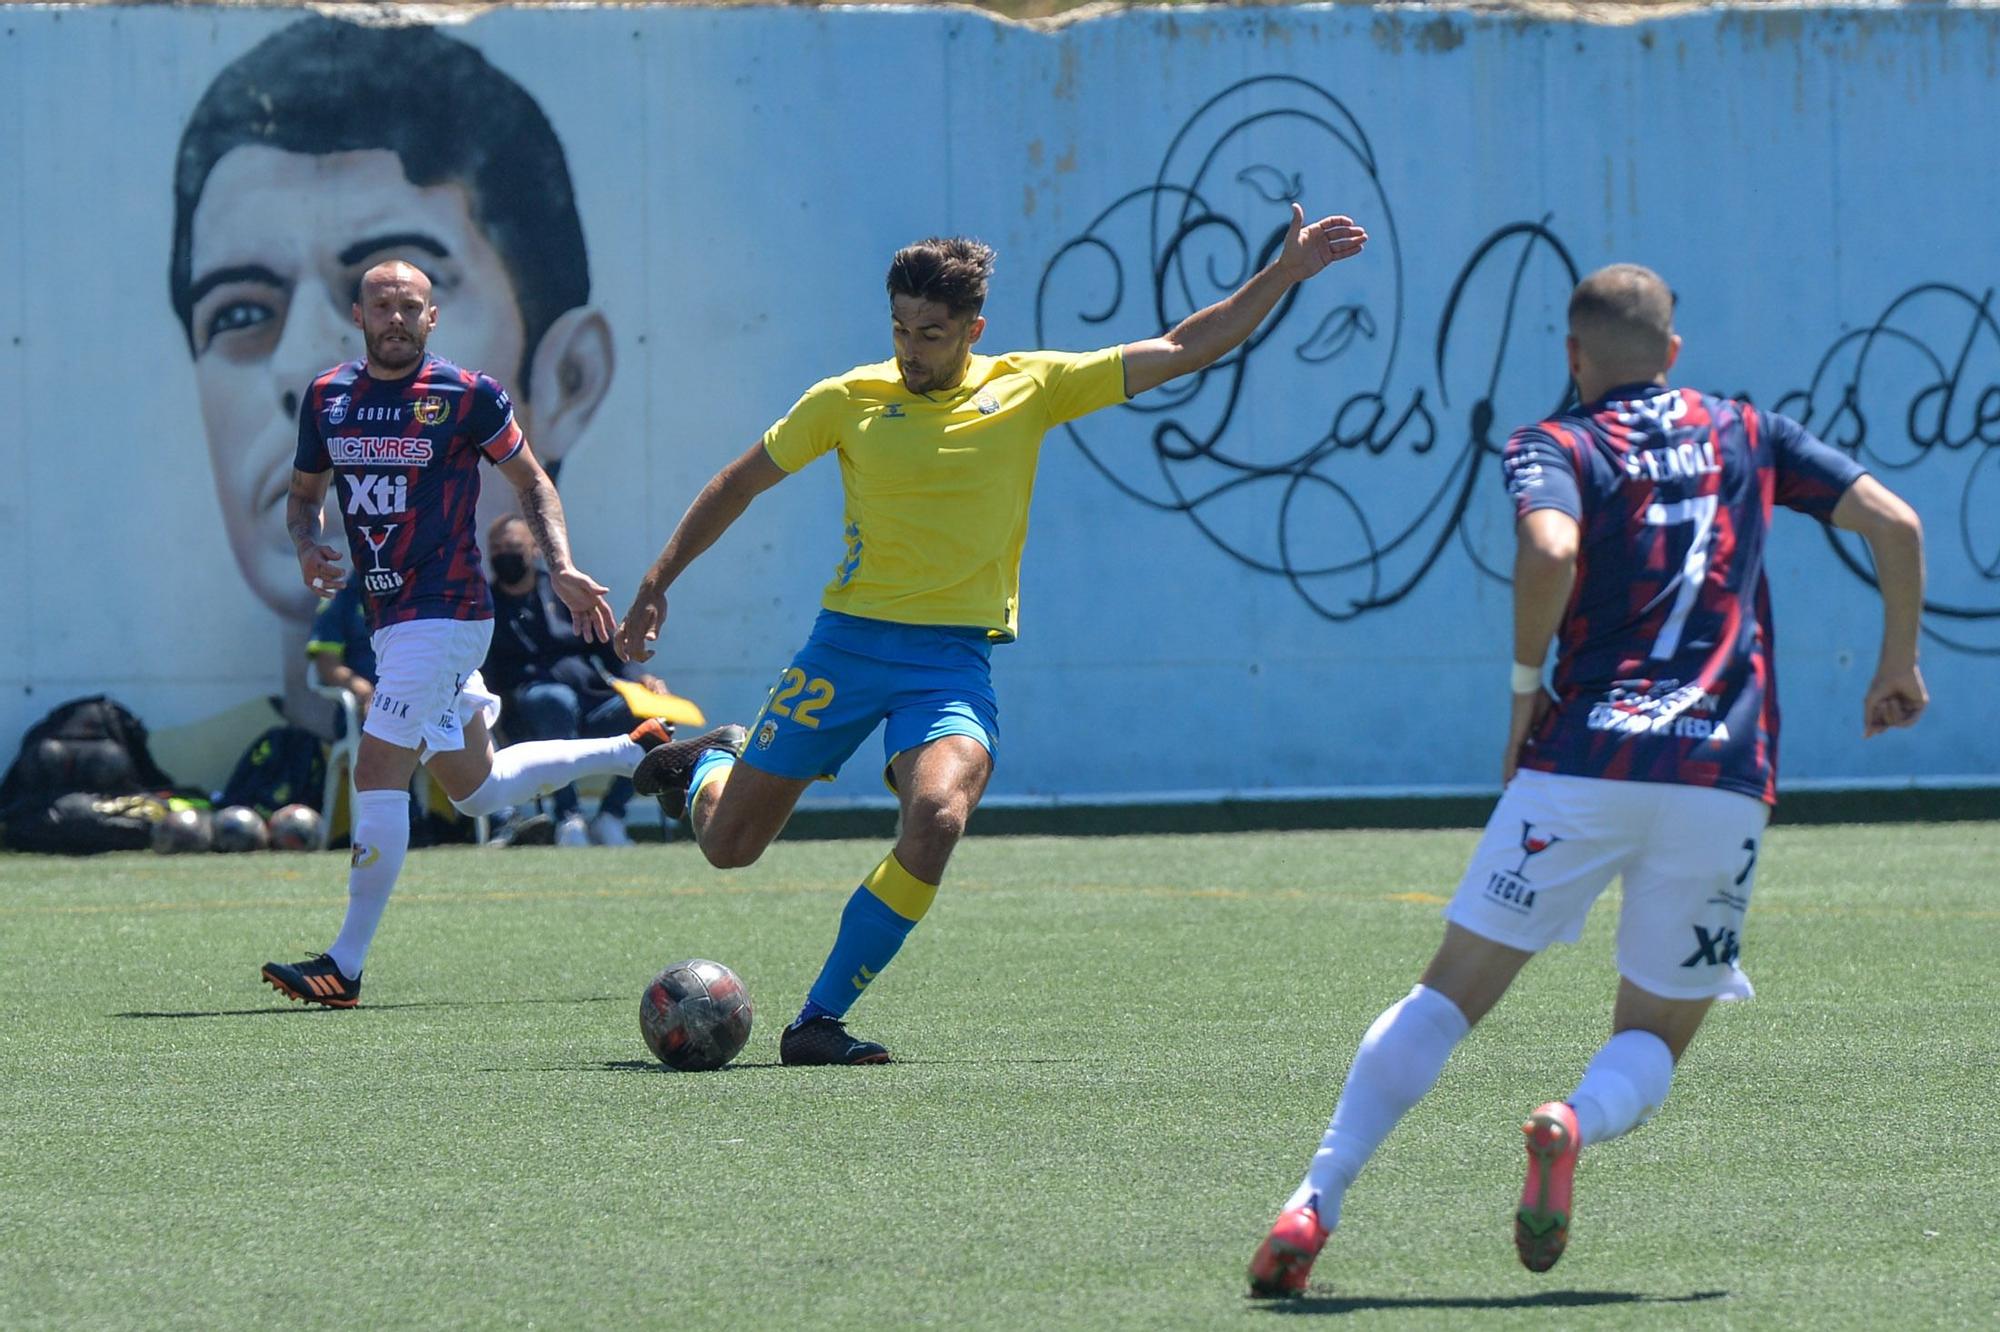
(951, 270)
(321, 86)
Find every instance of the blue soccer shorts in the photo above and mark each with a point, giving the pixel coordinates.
(925, 681)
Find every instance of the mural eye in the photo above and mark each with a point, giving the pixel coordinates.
(236, 315)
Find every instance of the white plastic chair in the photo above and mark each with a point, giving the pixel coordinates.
(340, 755)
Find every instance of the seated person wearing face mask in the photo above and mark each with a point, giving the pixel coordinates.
(553, 684)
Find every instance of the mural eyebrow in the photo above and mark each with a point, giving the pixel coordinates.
(394, 240)
(234, 273)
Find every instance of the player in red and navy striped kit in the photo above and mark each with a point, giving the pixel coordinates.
(407, 454)
(1664, 665)
(1642, 519)
(404, 433)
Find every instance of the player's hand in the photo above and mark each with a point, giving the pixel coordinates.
(1896, 697)
(320, 567)
(589, 612)
(1529, 709)
(1310, 248)
(641, 627)
(653, 683)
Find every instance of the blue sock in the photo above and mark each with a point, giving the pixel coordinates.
(714, 763)
(876, 920)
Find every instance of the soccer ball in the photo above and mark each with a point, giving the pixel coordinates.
(238, 828)
(695, 1015)
(182, 830)
(295, 828)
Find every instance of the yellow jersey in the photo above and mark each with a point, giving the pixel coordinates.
(938, 484)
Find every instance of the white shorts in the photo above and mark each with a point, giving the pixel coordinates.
(427, 685)
(1688, 856)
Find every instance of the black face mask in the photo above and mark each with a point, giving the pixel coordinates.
(509, 566)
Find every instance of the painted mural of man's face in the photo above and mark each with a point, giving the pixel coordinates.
(280, 223)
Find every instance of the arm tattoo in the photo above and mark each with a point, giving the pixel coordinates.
(543, 510)
(302, 517)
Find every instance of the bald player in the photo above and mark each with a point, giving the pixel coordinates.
(937, 449)
(405, 432)
(1641, 522)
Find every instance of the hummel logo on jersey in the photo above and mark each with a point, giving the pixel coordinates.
(1712, 950)
(893, 412)
(377, 494)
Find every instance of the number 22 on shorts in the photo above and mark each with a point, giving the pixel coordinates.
(805, 711)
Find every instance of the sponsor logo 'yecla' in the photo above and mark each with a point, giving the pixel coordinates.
(1510, 888)
(378, 581)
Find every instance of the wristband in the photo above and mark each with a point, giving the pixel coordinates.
(1527, 679)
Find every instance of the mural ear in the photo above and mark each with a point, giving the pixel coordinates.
(568, 379)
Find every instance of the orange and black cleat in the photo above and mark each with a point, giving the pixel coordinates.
(1541, 1224)
(651, 733)
(317, 980)
(1284, 1261)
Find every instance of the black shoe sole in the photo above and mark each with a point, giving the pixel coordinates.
(664, 772)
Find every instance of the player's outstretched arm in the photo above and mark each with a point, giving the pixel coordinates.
(721, 502)
(1206, 336)
(1544, 572)
(1895, 537)
(590, 613)
(319, 563)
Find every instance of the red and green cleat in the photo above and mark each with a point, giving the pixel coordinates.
(1541, 1225)
(1284, 1261)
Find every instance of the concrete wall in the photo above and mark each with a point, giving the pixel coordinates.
(1292, 580)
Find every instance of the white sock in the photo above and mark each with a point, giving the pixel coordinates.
(1624, 1085)
(522, 772)
(381, 840)
(1399, 1059)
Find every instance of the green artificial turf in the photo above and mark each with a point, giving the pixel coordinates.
(1114, 1058)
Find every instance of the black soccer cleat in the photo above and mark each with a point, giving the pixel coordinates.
(664, 772)
(317, 980)
(825, 1040)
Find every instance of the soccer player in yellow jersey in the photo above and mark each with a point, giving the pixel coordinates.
(937, 451)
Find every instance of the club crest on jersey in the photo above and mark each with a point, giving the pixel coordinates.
(428, 410)
(766, 734)
(336, 409)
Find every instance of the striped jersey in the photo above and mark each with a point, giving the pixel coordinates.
(405, 455)
(1665, 668)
